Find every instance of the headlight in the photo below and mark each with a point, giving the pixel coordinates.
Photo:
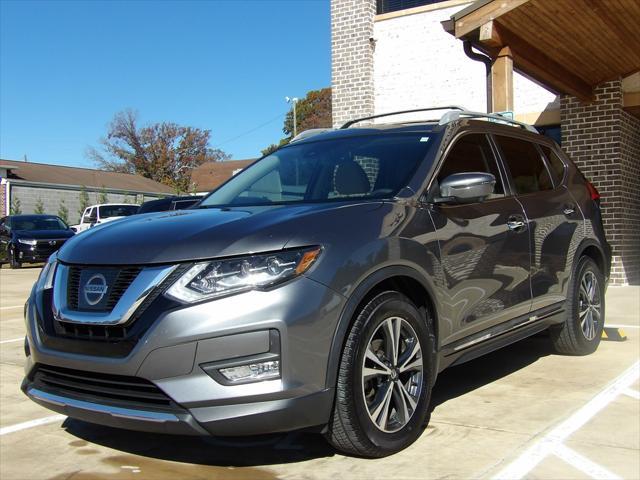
(45, 280)
(207, 280)
(27, 241)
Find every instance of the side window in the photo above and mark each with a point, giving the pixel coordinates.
(525, 164)
(555, 163)
(472, 153)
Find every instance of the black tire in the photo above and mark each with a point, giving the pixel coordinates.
(351, 428)
(13, 262)
(573, 337)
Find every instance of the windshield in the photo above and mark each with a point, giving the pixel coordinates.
(363, 167)
(107, 211)
(38, 223)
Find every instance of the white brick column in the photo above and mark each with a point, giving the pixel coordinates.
(352, 59)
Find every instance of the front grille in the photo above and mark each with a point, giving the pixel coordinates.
(43, 248)
(101, 388)
(124, 278)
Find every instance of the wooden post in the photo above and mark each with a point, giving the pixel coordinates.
(502, 81)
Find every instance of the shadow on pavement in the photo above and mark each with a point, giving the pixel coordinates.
(296, 446)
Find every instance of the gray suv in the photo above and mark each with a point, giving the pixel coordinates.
(325, 286)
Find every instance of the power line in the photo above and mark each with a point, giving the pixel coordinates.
(278, 117)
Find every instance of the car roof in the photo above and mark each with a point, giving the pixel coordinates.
(415, 127)
(113, 204)
(42, 215)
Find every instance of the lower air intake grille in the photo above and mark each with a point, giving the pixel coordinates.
(101, 388)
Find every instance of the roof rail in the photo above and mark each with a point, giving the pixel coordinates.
(430, 109)
(455, 115)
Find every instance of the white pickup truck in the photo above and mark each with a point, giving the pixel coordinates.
(105, 212)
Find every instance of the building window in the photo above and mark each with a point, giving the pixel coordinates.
(386, 6)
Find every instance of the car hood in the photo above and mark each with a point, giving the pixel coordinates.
(43, 234)
(188, 235)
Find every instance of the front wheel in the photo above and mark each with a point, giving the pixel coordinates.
(385, 378)
(13, 261)
(581, 331)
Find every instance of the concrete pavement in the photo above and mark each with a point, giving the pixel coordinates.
(520, 412)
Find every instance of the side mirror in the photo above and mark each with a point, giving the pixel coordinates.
(73, 229)
(466, 187)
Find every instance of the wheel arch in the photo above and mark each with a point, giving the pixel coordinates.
(593, 250)
(402, 278)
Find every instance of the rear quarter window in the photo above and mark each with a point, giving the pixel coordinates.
(527, 168)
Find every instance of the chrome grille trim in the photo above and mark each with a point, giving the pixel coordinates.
(148, 279)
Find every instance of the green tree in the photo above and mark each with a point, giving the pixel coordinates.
(16, 207)
(63, 211)
(165, 152)
(273, 147)
(84, 200)
(312, 111)
(103, 197)
(39, 208)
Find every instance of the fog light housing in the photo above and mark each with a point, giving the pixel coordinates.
(258, 367)
(253, 372)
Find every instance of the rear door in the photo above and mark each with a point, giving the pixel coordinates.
(554, 219)
(484, 247)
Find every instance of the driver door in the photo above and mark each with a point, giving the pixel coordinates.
(484, 259)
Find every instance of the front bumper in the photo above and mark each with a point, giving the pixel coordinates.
(172, 351)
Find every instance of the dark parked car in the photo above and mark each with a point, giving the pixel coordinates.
(31, 238)
(325, 286)
(169, 203)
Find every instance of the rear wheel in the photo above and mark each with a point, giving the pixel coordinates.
(581, 332)
(384, 381)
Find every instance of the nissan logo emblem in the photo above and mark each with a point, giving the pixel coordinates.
(52, 242)
(95, 289)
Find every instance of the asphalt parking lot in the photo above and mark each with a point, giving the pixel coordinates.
(521, 412)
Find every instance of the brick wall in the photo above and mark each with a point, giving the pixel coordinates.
(3, 199)
(604, 141)
(411, 63)
(352, 59)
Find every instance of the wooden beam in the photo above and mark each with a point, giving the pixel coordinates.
(490, 36)
(502, 82)
(541, 67)
(484, 14)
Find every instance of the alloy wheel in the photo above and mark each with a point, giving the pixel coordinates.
(392, 370)
(589, 305)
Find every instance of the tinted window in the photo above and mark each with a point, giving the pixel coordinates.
(368, 166)
(472, 153)
(38, 223)
(107, 211)
(556, 165)
(182, 204)
(525, 164)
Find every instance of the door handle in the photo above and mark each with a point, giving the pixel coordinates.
(516, 223)
(569, 209)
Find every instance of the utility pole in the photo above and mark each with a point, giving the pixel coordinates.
(293, 101)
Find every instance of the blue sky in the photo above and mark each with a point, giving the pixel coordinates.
(66, 67)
